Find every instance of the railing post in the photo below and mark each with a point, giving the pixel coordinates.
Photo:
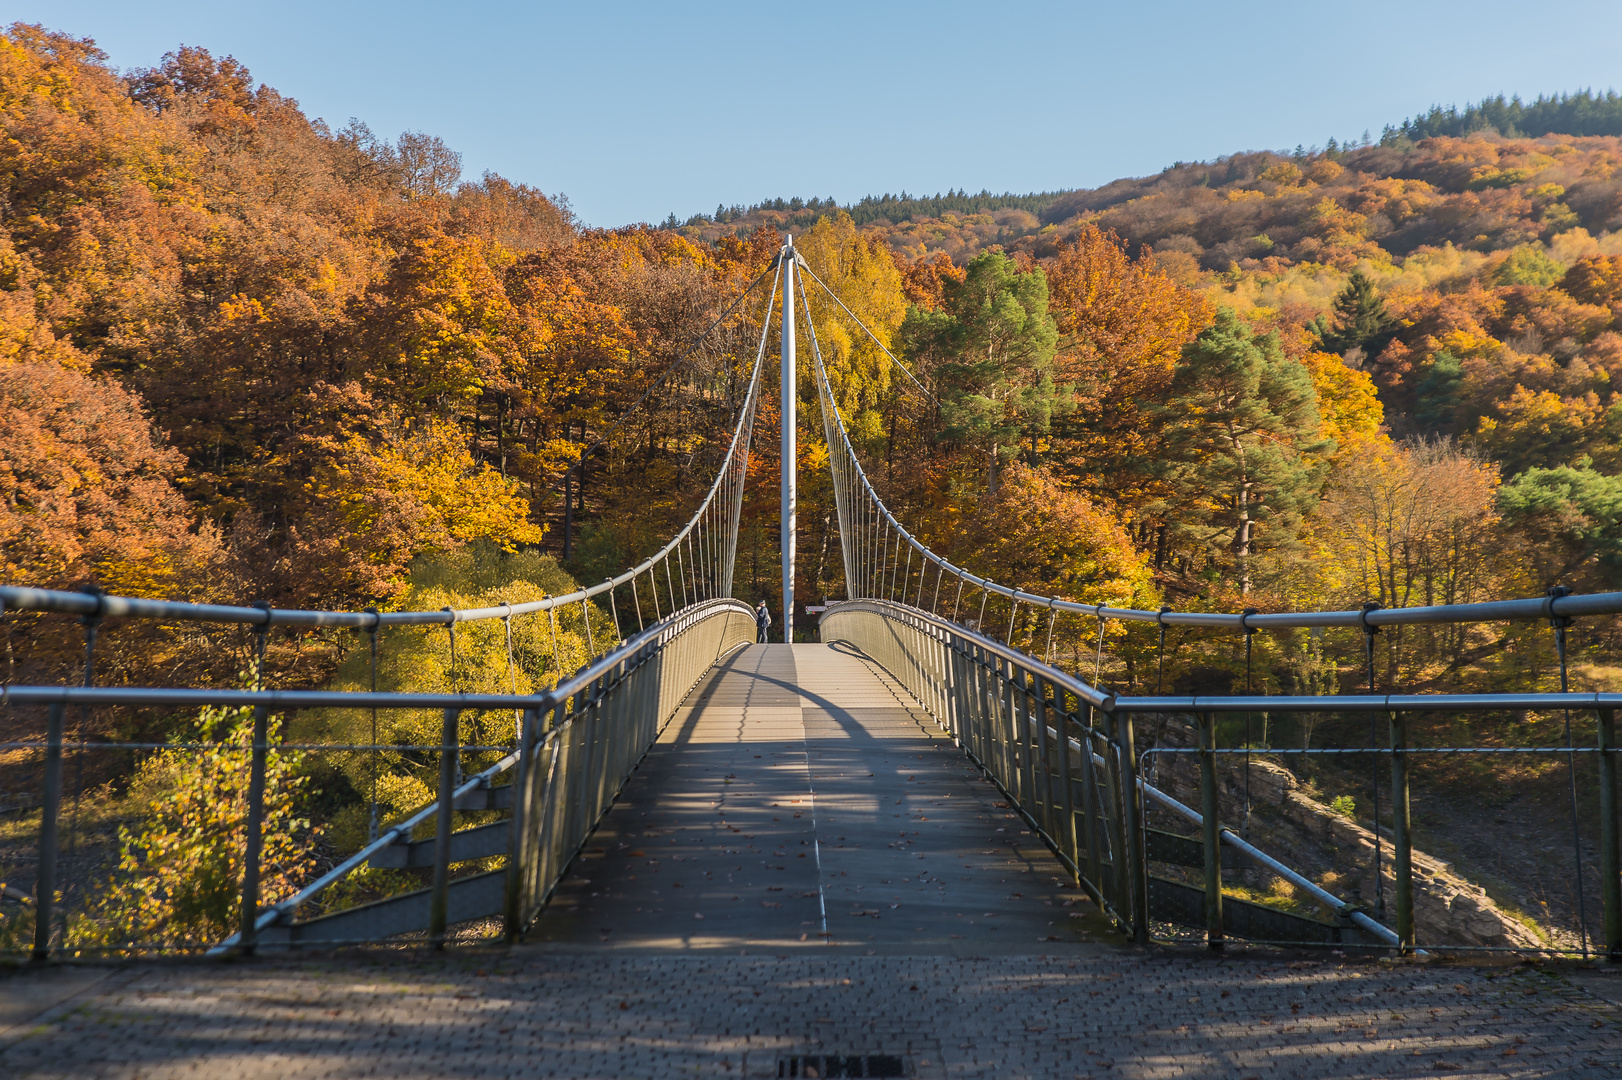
(1013, 774)
(253, 844)
(1132, 825)
(1089, 797)
(45, 883)
(1115, 812)
(1212, 826)
(1402, 854)
(1066, 783)
(1044, 789)
(1020, 713)
(439, 904)
(958, 690)
(1610, 849)
(520, 852)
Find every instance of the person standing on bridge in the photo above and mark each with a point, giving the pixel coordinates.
(763, 621)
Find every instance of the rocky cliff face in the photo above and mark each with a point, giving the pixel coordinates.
(1307, 835)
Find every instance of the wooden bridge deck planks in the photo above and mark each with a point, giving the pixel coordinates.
(801, 798)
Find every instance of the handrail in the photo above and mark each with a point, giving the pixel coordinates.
(1570, 605)
(541, 702)
(324, 699)
(1102, 698)
(1110, 703)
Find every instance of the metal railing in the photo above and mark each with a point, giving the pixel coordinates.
(579, 744)
(886, 564)
(582, 745)
(588, 729)
(1066, 754)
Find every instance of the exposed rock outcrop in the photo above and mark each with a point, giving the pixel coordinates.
(1307, 835)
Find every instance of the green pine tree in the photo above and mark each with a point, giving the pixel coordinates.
(1244, 459)
(1360, 322)
(991, 349)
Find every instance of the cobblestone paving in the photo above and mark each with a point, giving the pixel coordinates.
(550, 1012)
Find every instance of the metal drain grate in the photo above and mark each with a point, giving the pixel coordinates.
(818, 1066)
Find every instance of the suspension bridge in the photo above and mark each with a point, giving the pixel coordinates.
(911, 784)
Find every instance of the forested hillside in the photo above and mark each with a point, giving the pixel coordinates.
(249, 356)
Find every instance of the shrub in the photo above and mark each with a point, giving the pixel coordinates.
(179, 876)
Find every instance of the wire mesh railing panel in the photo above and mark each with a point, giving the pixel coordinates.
(1065, 754)
(226, 825)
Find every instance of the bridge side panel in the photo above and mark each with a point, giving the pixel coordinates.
(588, 747)
(1035, 743)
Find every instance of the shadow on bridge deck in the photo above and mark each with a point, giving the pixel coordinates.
(800, 797)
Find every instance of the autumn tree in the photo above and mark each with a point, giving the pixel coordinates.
(428, 168)
(89, 498)
(1123, 324)
(529, 655)
(1036, 535)
(859, 270)
(1413, 524)
(180, 866)
(1349, 404)
(1596, 280)
(517, 217)
(925, 280)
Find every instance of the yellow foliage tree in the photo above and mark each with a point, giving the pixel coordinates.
(862, 272)
(412, 489)
(1412, 524)
(1542, 428)
(488, 657)
(1036, 535)
(451, 319)
(1348, 404)
(179, 877)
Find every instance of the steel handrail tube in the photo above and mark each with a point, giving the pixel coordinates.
(1544, 607)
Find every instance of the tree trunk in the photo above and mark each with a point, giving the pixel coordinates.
(501, 427)
(1241, 532)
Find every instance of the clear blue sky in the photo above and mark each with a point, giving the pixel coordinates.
(635, 110)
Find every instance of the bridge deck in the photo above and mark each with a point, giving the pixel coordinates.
(801, 796)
